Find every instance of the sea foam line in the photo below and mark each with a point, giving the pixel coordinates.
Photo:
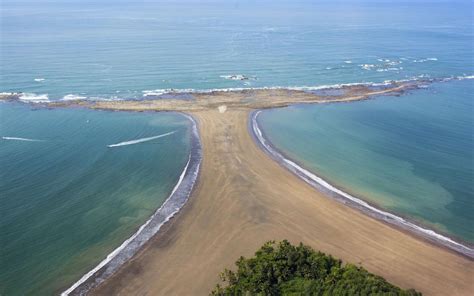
(345, 197)
(420, 78)
(140, 140)
(43, 98)
(22, 139)
(168, 209)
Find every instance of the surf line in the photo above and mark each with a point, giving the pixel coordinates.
(354, 202)
(131, 142)
(176, 200)
(22, 139)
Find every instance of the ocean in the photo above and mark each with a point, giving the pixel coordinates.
(68, 199)
(126, 49)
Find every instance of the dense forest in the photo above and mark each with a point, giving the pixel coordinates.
(284, 269)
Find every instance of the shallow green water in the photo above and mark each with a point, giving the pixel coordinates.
(412, 155)
(67, 199)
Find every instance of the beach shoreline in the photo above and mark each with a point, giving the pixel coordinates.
(244, 198)
(319, 183)
(171, 206)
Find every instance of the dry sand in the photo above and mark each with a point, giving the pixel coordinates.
(243, 198)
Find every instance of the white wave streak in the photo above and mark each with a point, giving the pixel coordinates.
(313, 180)
(72, 97)
(140, 140)
(22, 139)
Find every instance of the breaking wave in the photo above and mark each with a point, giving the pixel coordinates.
(34, 98)
(72, 97)
(161, 93)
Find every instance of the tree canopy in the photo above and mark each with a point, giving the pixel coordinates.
(284, 269)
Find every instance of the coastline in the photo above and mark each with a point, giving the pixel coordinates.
(244, 198)
(152, 264)
(333, 192)
(189, 94)
(131, 246)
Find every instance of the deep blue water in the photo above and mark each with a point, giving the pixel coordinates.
(121, 48)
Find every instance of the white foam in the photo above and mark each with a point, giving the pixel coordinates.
(394, 63)
(72, 97)
(22, 139)
(348, 62)
(389, 69)
(465, 77)
(237, 77)
(34, 98)
(132, 142)
(159, 92)
(6, 94)
(425, 60)
(367, 67)
(39, 79)
(311, 178)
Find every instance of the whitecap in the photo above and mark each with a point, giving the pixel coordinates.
(72, 97)
(39, 79)
(34, 98)
(348, 62)
(425, 60)
(465, 77)
(389, 69)
(7, 94)
(367, 67)
(237, 77)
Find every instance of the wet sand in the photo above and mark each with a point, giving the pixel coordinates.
(244, 198)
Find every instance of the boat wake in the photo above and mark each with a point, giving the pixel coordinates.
(137, 141)
(21, 139)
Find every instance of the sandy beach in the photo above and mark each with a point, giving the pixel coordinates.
(244, 198)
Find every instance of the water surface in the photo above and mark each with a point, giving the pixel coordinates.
(412, 155)
(67, 199)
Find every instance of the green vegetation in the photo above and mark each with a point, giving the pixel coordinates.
(284, 269)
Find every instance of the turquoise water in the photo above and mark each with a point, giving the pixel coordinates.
(412, 155)
(67, 199)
